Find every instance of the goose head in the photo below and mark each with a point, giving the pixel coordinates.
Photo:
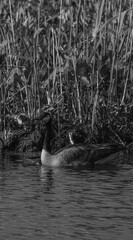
(77, 136)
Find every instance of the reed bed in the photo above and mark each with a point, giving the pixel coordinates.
(73, 55)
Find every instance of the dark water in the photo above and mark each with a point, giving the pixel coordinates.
(42, 203)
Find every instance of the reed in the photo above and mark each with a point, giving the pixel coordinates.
(73, 55)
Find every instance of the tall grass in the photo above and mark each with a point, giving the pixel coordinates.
(72, 55)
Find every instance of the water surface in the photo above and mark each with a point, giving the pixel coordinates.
(44, 203)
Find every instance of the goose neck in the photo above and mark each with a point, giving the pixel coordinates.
(47, 138)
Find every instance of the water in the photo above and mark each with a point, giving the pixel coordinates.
(43, 203)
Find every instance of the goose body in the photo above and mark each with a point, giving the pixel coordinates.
(70, 156)
(76, 154)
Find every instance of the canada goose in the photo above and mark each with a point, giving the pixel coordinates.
(76, 154)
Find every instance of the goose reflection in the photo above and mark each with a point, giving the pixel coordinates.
(46, 175)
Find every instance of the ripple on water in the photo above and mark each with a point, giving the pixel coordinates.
(38, 202)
